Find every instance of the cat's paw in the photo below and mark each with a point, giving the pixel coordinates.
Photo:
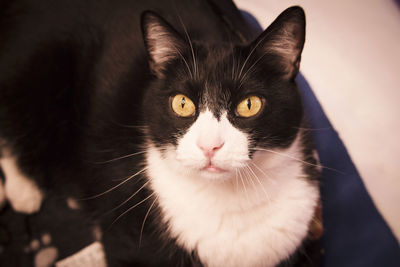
(45, 254)
(22, 192)
(25, 198)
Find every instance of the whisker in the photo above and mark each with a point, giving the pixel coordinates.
(314, 129)
(182, 57)
(237, 180)
(285, 155)
(249, 69)
(299, 160)
(119, 158)
(262, 186)
(129, 198)
(116, 186)
(238, 66)
(249, 177)
(262, 171)
(244, 187)
(195, 67)
(184, 60)
(131, 208)
(139, 127)
(233, 59)
(176, 49)
(144, 220)
(249, 55)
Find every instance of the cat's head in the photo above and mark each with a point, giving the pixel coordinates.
(212, 106)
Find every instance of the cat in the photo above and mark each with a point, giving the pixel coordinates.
(206, 133)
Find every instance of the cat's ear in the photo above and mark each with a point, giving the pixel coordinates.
(284, 38)
(162, 41)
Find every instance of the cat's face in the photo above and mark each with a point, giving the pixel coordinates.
(212, 108)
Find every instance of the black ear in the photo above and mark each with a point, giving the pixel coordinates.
(284, 38)
(162, 41)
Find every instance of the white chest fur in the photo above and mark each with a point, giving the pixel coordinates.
(239, 222)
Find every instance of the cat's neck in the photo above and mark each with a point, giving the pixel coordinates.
(245, 212)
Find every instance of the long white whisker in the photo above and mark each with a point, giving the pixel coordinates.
(266, 175)
(244, 187)
(122, 157)
(184, 60)
(131, 208)
(116, 186)
(249, 55)
(299, 160)
(249, 177)
(191, 48)
(314, 129)
(186, 63)
(144, 220)
(233, 61)
(238, 66)
(140, 127)
(237, 180)
(262, 186)
(249, 69)
(129, 198)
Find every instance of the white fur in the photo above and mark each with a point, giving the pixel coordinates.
(22, 193)
(232, 219)
(208, 130)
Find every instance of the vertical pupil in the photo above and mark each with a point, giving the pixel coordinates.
(183, 101)
(248, 103)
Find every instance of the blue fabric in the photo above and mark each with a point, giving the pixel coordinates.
(355, 233)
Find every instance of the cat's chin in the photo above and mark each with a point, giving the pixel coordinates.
(215, 173)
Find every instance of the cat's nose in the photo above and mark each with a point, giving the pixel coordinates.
(209, 149)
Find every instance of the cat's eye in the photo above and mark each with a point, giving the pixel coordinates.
(249, 106)
(183, 106)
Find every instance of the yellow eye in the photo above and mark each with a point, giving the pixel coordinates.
(249, 106)
(183, 106)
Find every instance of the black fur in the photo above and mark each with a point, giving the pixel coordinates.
(79, 91)
(223, 80)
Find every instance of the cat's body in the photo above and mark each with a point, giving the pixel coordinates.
(200, 133)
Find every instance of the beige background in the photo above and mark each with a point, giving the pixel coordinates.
(352, 61)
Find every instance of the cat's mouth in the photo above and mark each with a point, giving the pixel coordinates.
(210, 167)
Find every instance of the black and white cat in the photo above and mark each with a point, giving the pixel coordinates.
(221, 145)
(224, 174)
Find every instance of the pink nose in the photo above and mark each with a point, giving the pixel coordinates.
(210, 148)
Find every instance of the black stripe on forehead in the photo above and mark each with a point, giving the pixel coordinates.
(216, 98)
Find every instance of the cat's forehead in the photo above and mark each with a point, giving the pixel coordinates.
(215, 98)
(217, 82)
